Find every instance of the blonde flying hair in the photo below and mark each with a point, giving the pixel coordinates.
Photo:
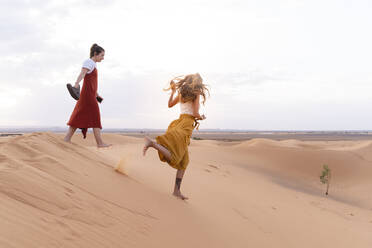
(189, 87)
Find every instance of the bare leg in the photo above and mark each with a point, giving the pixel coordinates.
(70, 132)
(97, 136)
(167, 154)
(150, 143)
(177, 185)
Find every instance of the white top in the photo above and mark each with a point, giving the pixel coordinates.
(90, 65)
(186, 107)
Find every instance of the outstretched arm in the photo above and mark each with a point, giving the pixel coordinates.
(81, 76)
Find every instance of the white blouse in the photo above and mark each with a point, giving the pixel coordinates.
(186, 108)
(90, 65)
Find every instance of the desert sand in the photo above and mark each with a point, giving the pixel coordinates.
(256, 193)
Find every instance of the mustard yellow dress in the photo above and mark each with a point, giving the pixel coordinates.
(177, 139)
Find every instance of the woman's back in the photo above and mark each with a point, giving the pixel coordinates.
(186, 107)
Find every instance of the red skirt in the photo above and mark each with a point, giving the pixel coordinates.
(86, 113)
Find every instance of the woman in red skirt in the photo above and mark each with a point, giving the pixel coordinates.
(86, 113)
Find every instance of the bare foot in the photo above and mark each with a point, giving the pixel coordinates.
(104, 145)
(148, 143)
(179, 195)
(67, 140)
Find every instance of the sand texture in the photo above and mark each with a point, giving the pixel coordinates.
(257, 193)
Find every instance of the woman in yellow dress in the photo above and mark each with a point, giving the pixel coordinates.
(172, 147)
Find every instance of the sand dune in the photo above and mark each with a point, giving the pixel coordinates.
(257, 193)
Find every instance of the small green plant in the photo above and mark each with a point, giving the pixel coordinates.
(325, 178)
(196, 138)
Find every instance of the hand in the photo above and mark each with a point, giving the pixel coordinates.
(77, 86)
(203, 117)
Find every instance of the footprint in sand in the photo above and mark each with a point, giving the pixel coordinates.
(214, 166)
(69, 190)
(225, 173)
(211, 166)
(251, 220)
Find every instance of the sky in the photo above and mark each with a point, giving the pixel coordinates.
(269, 64)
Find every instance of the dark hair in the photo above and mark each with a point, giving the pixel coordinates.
(95, 49)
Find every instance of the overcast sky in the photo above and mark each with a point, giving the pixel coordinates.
(270, 64)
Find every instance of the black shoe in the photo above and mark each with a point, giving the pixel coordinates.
(74, 92)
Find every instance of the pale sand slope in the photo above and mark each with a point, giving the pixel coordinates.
(258, 193)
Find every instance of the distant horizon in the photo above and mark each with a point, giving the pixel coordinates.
(27, 129)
